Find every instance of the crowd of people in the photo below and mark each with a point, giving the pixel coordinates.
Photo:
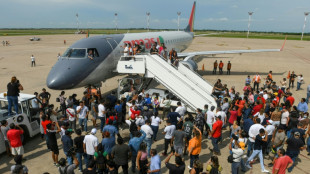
(262, 119)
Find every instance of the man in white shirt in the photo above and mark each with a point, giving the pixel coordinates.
(254, 130)
(33, 61)
(125, 49)
(223, 116)
(270, 129)
(70, 112)
(101, 114)
(210, 117)
(168, 131)
(180, 109)
(82, 111)
(90, 144)
(284, 117)
(149, 133)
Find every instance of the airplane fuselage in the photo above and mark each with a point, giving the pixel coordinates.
(74, 69)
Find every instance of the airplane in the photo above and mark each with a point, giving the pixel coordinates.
(74, 69)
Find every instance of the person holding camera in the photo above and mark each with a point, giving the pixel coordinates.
(67, 144)
(14, 88)
(68, 169)
(52, 140)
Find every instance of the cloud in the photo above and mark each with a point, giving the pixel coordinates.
(234, 6)
(223, 19)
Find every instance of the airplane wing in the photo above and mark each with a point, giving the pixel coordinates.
(192, 54)
(201, 35)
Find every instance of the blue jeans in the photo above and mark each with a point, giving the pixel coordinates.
(79, 157)
(192, 159)
(69, 158)
(250, 147)
(293, 155)
(235, 167)
(308, 96)
(88, 159)
(215, 142)
(242, 165)
(148, 142)
(102, 122)
(133, 162)
(288, 133)
(12, 100)
(83, 123)
(155, 130)
(260, 155)
(298, 85)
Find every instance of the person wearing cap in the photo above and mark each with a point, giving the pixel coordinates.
(45, 95)
(67, 144)
(13, 89)
(237, 152)
(294, 146)
(90, 144)
(259, 141)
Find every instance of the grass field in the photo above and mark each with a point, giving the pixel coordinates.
(231, 34)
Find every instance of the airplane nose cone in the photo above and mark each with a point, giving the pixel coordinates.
(56, 79)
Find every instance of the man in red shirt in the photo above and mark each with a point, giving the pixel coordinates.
(15, 140)
(290, 99)
(257, 107)
(282, 163)
(216, 135)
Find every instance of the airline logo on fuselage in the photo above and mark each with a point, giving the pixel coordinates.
(148, 42)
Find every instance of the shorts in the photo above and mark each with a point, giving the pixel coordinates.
(54, 148)
(7, 143)
(18, 150)
(178, 149)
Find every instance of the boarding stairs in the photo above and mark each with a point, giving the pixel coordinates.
(187, 85)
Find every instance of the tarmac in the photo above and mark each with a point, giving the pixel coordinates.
(15, 60)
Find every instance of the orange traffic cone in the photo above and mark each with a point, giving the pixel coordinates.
(203, 67)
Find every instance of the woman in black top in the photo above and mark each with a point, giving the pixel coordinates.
(12, 94)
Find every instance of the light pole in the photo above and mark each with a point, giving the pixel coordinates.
(148, 20)
(179, 13)
(303, 29)
(77, 22)
(115, 15)
(249, 23)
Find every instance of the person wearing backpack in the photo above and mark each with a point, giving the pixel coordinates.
(100, 158)
(237, 153)
(67, 169)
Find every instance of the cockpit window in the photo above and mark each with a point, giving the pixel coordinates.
(92, 52)
(75, 53)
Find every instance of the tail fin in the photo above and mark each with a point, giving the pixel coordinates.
(190, 26)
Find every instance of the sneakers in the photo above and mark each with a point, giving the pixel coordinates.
(265, 171)
(248, 166)
(189, 167)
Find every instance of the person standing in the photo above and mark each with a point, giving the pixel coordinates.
(12, 94)
(90, 144)
(45, 95)
(228, 68)
(102, 114)
(237, 156)
(67, 144)
(155, 125)
(33, 61)
(188, 129)
(168, 131)
(78, 144)
(178, 140)
(214, 67)
(221, 65)
(282, 163)
(259, 141)
(4, 131)
(256, 80)
(216, 134)
(149, 133)
(155, 163)
(62, 102)
(253, 132)
(292, 79)
(121, 153)
(70, 112)
(51, 134)
(82, 111)
(134, 144)
(294, 146)
(178, 167)
(194, 146)
(14, 137)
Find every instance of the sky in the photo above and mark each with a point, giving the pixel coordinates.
(269, 15)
